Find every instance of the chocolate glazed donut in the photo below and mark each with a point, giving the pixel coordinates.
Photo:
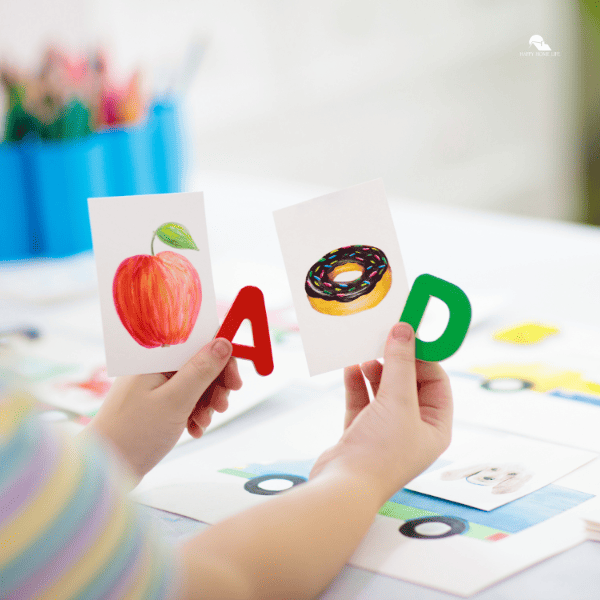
(345, 298)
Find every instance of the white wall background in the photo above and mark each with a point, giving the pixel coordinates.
(431, 96)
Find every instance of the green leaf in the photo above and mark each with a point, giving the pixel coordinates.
(176, 236)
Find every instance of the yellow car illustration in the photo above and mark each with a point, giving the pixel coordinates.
(539, 377)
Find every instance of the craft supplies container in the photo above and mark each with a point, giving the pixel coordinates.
(44, 185)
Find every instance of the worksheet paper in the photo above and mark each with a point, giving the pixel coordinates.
(415, 537)
(548, 390)
(60, 371)
(486, 469)
(157, 300)
(336, 246)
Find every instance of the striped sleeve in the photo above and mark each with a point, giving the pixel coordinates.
(67, 529)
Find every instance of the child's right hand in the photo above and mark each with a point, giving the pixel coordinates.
(293, 545)
(391, 440)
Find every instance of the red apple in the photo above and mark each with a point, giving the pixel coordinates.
(158, 297)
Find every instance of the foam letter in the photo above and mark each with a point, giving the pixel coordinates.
(250, 304)
(459, 306)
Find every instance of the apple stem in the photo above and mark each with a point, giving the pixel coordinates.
(152, 244)
(166, 346)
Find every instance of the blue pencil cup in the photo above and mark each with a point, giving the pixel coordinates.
(66, 176)
(128, 154)
(14, 212)
(167, 149)
(44, 186)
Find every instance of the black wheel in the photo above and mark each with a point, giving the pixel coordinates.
(279, 483)
(433, 528)
(506, 385)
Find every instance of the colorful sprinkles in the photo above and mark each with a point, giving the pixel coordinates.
(319, 274)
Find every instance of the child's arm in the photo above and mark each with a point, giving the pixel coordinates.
(66, 528)
(293, 545)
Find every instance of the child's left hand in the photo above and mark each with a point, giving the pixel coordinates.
(143, 416)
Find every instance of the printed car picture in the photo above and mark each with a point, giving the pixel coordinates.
(537, 377)
(425, 517)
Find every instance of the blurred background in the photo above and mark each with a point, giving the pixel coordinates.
(489, 105)
(446, 101)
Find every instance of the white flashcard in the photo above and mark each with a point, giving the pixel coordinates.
(346, 274)
(155, 280)
(486, 469)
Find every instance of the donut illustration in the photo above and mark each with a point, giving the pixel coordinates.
(331, 297)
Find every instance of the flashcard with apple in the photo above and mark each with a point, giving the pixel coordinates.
(158, 296)
(155, 281)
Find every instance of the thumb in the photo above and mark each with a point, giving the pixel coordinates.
(399, 376)
(194, 378)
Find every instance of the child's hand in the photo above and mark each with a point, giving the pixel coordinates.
(293, 545)
(392, 439)
(143, 416)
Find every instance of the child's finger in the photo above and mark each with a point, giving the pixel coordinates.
(194, 378)
(230, 375)
(435, 393)
(399, 379)
(215, 397)
(219, 400)
(202, 418)
(193, 428)
(224, 381)
(372, 371)
(202, 414)
(357, 396)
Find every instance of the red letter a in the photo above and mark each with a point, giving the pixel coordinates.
(250, 304)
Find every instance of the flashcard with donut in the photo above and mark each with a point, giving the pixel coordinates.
(157, 298)
(346, 274)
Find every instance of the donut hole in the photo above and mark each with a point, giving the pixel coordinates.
(347, 273)
(348, 276)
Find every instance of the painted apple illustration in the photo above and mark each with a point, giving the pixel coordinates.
(158, 297)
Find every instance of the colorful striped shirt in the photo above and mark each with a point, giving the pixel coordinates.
(67, 529)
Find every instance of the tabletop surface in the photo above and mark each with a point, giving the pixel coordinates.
(532, 268)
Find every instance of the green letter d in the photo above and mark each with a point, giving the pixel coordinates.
(459, 306)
